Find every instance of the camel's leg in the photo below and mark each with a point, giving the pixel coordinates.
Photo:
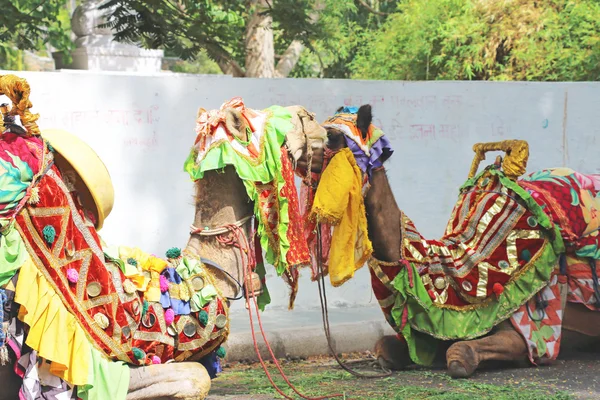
(10, 382)
(580, 319)
(173, 381)
(392, 353)
(463, 358)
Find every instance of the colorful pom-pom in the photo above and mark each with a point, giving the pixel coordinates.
(138, 354)
(132, 261)
(526, 255)
(173, 252)
(164, 284)
(145, 308)
(221, 352)
(169, 316)
(49, 234)
(431, 294)
(156, 360)
(498, 289)
(203, 317)
(72, 275)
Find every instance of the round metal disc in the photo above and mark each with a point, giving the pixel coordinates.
(126, 332)
(101, 320)
(94, 289)
(532, 222)
(189, 329)
(135, 307)
(503, 264)
(467, 286)
(198, 283)
(128, 286)
(171, 331)
(221, 321)
(70, 249)
(440, 283)
(149, 320)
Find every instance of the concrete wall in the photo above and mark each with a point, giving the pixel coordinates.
(143, 126)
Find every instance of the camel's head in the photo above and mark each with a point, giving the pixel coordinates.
(238, 158)
(352, 127)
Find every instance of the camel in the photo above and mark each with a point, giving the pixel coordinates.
(497, 340)
(210, 259)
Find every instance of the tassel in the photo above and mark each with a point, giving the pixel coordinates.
(34, 196)
(4, 356)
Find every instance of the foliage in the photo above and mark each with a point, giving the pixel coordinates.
(551, 40)
(184, 28)
(346, 27)
(30, 24)
(202, 64)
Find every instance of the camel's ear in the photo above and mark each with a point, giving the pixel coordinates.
(234, 122)
(363, 119)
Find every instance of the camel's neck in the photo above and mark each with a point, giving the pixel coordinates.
(383, 218)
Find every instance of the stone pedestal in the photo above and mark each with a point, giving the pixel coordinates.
(97, 51)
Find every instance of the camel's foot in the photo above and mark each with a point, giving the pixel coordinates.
(173, 381)
(462, 360)
(392, 353)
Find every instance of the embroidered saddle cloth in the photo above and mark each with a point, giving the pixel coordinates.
(501, 247)
(83, 307)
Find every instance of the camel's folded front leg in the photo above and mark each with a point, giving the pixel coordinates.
(392, 353)
(463, 358)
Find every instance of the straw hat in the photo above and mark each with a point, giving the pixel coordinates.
(95, 186)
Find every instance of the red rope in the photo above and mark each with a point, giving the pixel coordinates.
(238, 239)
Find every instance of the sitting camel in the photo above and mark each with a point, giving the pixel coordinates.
(517, 266)
(81, 318)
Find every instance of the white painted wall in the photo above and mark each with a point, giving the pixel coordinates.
(143, 126)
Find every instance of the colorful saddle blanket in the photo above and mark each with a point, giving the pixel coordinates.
(501, 247)
(83, 307)
(261, 161)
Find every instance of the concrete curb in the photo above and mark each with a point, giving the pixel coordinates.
(307, 341)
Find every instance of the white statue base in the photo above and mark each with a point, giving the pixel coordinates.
(113, 58)
(96, 50)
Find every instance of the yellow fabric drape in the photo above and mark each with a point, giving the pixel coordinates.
(53, 332)
(339, 202)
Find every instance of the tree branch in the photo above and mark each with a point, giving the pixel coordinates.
(231, 67)
(224, 60)
(371, 9)
(289, 59)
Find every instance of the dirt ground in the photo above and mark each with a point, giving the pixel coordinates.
(575, 376)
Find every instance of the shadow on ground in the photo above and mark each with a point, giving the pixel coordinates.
(573, 376)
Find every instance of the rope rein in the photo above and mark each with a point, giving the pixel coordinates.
(325, 315)
(328, 154)
(239, 240)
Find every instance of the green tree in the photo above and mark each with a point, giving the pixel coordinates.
(551, 40)
(240, 35)
(32, 25)
(347, 27)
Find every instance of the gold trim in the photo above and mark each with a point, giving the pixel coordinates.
(374, 265)
(388, 301)
(483, 279)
